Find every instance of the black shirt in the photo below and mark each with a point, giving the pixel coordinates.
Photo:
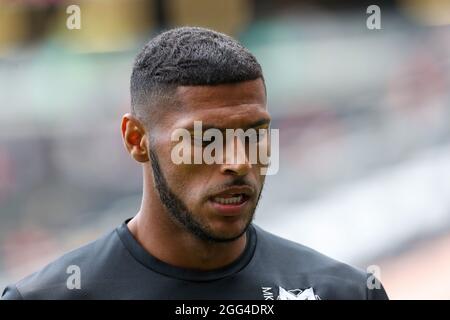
(116, 266)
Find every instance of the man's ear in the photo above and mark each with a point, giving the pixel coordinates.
(134, 138)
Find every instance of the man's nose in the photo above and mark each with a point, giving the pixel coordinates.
(236, 159)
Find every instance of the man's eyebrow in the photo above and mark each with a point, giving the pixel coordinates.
(205, 127)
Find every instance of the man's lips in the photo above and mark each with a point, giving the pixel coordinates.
(232, 201)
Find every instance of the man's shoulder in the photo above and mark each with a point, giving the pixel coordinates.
(58, 277)
(297, 262)
(303, 257)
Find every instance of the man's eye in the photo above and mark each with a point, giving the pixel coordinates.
(197, 141)
(258, 136)
(203, 143)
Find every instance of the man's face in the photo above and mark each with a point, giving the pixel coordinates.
(216, 202)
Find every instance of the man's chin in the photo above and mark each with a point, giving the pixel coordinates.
(227, 233)
(225, 238)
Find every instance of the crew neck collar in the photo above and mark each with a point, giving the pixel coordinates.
(151, 262)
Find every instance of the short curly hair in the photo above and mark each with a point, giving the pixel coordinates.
(188, 56)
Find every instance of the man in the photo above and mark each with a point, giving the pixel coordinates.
(193, 237)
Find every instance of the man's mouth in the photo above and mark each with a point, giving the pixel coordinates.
(232, 201)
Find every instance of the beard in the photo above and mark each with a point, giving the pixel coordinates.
(179, 212)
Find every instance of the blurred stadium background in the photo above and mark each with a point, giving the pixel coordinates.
(364, 121)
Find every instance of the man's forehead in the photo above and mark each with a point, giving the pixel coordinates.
(222, 124)
(240, 105)
(192, 98)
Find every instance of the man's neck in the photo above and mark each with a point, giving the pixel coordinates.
(174, 245)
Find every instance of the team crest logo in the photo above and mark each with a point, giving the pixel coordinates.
(293, 294)
(297, 294)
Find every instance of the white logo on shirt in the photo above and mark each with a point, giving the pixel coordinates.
(293, 294)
